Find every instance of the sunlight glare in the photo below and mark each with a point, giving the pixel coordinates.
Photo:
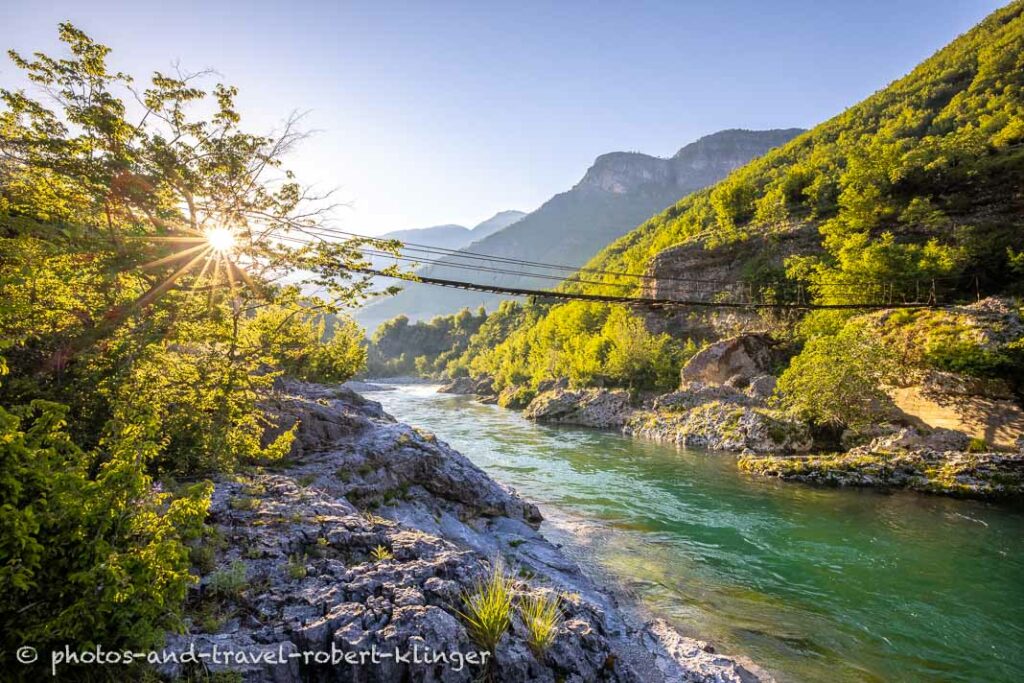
(220, 239)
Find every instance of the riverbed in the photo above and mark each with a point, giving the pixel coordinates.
(812, 584)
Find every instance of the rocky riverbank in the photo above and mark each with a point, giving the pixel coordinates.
(931, 463)
(368, 537)
(722, 405)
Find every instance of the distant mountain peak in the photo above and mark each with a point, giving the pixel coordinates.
(627, 172)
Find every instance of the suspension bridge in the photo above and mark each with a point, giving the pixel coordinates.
(670, 292)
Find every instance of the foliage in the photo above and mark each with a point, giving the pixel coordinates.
(381, 554)
(920, 180)
(543, 617)
(422, 348)
(86, 557)
(228, 582)
(296, 566)
(841, 374)
(488, 609)
(838, 379)
(494, 330)
(133, 348)
(962, 341)
(586, 343)
(916, 187)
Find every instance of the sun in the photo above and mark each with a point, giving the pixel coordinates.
(220, 239)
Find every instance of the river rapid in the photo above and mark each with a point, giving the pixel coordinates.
(812, 584)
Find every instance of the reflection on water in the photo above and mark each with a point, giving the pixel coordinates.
(811, 583)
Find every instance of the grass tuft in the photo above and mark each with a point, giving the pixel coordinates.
(489, 610)
(543, 618)
(381, 554)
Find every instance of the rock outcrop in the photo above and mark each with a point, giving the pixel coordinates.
(723, 426)
(917, 467)
(618, 192)
(469, 386)
(603, 408)
(732, 362)
(368, 539)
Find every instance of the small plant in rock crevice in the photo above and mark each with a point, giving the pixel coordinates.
(381, 554)
(542, 617)
(488, 609)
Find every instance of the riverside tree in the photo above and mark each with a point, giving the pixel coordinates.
(144, 235)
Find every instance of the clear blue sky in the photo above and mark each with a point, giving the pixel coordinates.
(445, 112)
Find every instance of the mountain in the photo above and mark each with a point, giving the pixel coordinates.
(919, 188)
(924, 179)
(616, 193)
(498, 221)
(448, 236)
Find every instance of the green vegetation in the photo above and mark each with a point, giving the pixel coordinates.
(296, 566)
(488, 609)
(228, 583)
(585, 343)
(542, 616)
(838, 379)
(917, 186)
(142, 325)
(381, 554)
(919, 180)
(841, 375)
(422, 348)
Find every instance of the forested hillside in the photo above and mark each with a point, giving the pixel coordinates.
(923, 181)
(618, 191)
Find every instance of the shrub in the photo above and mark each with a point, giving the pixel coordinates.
(977, 445)
(296, 567)
(381, 554)
(83, 559)
(838, 379)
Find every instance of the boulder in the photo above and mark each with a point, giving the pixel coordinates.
(733, 362)
(723, 426)
(552, 384)
(459, 385)
(910, 439)
(762, 387)
(602, 408)
(697, 393)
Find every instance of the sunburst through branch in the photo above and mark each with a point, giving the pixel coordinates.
(211, 253)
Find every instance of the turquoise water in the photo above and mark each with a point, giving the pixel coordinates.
(812, 584)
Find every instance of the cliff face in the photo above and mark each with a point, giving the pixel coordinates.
(619, 191)
(694, 166)
(694, 272)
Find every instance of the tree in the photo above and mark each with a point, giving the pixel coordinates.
(142, 247)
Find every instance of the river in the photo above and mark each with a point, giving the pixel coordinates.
(812, 584)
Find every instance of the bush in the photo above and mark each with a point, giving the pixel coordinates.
(838, 379)
(228, 583)
(82, 559)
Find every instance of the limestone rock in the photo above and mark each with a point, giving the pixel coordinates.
(588, 407)
(733, 362)
(296, 568)
(722, 426)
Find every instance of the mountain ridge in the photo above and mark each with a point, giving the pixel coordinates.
(617, 192)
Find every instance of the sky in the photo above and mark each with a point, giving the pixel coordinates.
(426, 113)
